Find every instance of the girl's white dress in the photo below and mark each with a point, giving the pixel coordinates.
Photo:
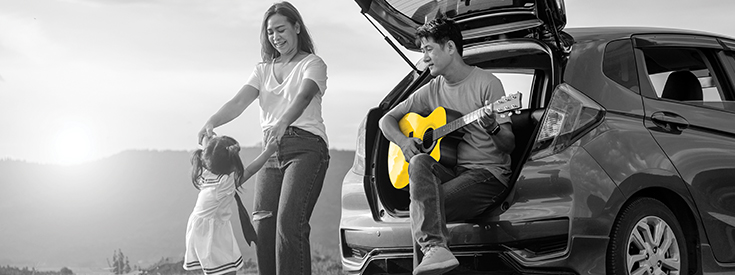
(210, 241)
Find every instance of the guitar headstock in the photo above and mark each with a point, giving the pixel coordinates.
(508, 105)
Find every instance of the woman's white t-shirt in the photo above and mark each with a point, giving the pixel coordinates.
(275, 97)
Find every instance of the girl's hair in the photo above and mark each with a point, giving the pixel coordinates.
(268, 53)
(221, 156)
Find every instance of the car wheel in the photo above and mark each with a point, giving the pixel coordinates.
(647, 239)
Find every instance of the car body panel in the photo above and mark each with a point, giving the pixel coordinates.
(704, 155)
(702, 149)
(595, 84)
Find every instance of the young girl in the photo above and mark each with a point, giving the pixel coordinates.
(217, 172)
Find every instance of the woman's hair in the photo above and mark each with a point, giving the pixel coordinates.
(221, 156)
(441, 30)
(268, 53)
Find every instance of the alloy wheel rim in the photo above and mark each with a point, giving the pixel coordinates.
(652, 248)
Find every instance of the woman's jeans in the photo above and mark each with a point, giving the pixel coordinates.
(286, 190)
(440, 195)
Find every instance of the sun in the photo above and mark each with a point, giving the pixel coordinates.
(73, 145)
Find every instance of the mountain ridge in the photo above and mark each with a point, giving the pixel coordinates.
(137, 201)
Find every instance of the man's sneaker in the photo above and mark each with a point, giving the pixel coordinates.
(437, 260)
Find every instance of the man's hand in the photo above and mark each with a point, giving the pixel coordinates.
(487, 120)
(410, 147)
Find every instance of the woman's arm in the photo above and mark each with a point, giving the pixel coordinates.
(307, 91)
(229, 110)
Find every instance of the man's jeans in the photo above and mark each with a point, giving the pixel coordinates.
(440, 195)
(285, 194)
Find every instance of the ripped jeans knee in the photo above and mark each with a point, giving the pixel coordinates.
(261, 215)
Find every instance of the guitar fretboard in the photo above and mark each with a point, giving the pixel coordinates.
(458, 123)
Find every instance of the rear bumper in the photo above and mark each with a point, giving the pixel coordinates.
(543, 247)
(583, 255)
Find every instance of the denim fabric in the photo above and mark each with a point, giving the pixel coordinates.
(286, 190)
(440, 195)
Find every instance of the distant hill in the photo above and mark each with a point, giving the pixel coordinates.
(136, 201)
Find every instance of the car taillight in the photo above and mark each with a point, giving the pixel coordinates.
(358, 166)
(570, 114)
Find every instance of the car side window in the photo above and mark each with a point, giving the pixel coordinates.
(684, 74)
(728, 60)
(619, 64)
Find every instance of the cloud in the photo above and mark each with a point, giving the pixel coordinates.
(25, 36)
(16, 31)
(676, 14)
(111, 2)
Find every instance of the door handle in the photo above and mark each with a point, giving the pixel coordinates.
(670, 121)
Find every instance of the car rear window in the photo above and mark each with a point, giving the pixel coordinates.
(517, 81)
(421, 11)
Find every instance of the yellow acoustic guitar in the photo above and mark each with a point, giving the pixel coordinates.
(432, 130)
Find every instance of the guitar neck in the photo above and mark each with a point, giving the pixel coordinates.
(459, 123)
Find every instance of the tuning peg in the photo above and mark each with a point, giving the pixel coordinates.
(517, 112)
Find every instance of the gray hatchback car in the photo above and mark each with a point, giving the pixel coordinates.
(625, 148)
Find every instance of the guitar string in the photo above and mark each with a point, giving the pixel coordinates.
(456, 124)
(469, 118)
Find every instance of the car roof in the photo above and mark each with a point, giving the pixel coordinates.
(611, 33)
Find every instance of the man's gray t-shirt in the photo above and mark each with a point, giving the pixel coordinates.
(478, 149)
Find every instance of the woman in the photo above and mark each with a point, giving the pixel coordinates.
(289, 85)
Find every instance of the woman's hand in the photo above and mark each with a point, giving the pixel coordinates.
(274, 134)
(205, 134)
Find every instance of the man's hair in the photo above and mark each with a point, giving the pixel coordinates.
(441, 30)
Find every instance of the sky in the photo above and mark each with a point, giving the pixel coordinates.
(82, 80)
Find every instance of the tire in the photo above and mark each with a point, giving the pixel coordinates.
(647, 239)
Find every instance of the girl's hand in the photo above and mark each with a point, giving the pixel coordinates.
(274, 134)
(270, 147)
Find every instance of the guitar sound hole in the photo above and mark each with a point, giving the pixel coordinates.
(428, 138)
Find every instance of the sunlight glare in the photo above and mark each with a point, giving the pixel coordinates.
(73, 145)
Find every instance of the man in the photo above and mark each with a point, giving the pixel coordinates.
(438, 193)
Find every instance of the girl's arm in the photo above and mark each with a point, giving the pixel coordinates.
(258, 162)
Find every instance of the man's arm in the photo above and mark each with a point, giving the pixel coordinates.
(389, 126)
(504, 139)
(503, 136)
